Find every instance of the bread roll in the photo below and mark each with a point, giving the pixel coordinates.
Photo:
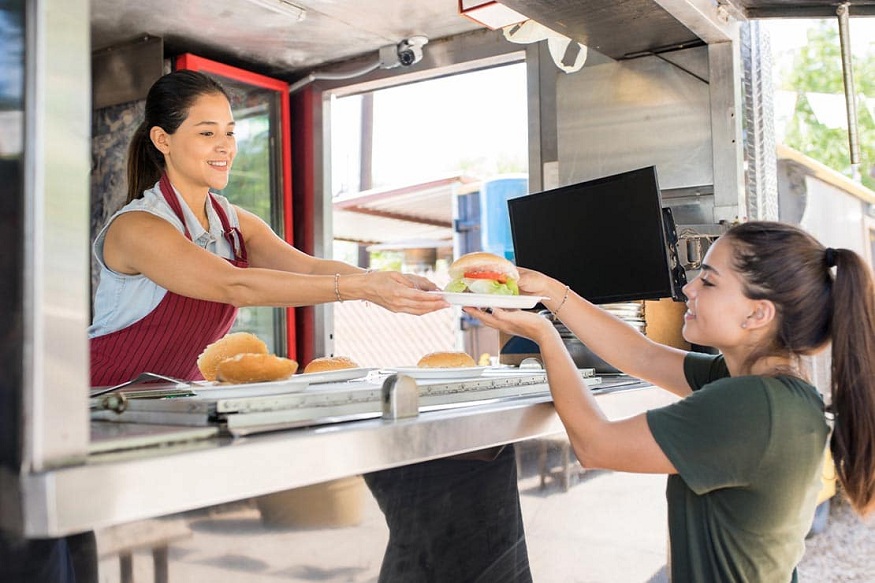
(446, 360)
(480, 261)
(225, 347)
(327, 363)
(255, 368)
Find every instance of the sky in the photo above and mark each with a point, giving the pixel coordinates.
(789, 33)
(422, 130)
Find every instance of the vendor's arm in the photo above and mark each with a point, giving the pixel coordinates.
(141, 243)
(626, 445)
(266, 249)
(610, 338)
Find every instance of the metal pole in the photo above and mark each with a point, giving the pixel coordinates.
(850, 94)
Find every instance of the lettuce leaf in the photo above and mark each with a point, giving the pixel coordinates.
(483, 286)
(456, 286)
(488, 286)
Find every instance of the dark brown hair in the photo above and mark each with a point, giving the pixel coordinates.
(167, 105)
(789, 267)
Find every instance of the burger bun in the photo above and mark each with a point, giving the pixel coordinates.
(225, 347)
(329, 363)
(446, 360)
(482, 261)
(255, 368)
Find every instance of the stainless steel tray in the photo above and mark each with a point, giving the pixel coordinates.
(247, 409)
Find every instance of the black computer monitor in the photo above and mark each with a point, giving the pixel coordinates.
(609, 239)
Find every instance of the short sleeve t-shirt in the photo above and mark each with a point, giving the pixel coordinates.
(749, 452)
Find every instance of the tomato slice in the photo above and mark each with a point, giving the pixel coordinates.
(499, 277)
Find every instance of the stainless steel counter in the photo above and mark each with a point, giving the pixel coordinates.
(185, 474)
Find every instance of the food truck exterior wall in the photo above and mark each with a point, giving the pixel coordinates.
(53, 419)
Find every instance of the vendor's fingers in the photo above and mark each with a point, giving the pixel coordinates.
(420, 282)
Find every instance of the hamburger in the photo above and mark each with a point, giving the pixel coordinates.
(328, 363)
(483, 273)
(446, 360)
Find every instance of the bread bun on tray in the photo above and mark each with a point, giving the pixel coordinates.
(225, 347)
(248, 367)
(446, 360)
(328, 363)
(483, 273)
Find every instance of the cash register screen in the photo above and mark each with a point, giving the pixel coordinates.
(605, 238)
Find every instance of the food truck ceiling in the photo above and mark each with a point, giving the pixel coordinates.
(314, 32)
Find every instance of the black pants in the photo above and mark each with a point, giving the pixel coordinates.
(71, 559)
(453, 521)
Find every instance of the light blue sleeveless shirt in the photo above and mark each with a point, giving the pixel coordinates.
(123, 299)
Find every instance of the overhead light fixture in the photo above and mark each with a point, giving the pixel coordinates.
(490, 13)
(283, 7)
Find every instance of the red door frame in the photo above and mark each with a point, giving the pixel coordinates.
(196, 63)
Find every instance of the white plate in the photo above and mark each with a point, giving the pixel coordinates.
(242, 390)
(490, 300)
(334, 376)
(438, 373)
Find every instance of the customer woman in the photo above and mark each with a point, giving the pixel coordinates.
(178, 260)
(744, 445)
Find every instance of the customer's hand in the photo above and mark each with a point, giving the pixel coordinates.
(515, 322)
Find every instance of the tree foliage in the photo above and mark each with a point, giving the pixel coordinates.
(817, 68)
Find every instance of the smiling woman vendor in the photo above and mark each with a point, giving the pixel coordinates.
(178, 260)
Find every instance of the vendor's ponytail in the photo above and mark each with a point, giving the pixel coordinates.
(145, 163)
(853, 378)
(167, 106)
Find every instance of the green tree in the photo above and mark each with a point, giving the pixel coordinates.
(817, 68)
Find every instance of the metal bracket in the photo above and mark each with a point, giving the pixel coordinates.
(400, 397)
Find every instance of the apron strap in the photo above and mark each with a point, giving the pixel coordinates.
(170, 196)
(231, 234)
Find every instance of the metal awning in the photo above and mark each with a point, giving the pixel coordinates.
(422, 211)
(801, 8)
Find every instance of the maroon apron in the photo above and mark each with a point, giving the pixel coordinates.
(169, 339)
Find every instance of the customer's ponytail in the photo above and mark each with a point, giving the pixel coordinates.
(853, 377)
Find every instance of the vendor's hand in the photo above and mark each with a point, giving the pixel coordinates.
(400, 292)
(515, 322)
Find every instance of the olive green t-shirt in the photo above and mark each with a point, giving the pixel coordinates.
(749, 452)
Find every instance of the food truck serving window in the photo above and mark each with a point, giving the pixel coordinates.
(605, 238)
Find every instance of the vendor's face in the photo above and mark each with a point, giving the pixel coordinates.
(716, 304)
(199, 154)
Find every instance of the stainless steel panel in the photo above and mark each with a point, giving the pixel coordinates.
(57, 134)
(615, 117)
(125, 72)
(726, 118)
(615, 29)
(118, 488)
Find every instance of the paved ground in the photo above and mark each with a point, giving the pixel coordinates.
(578, 536)
(607, 528)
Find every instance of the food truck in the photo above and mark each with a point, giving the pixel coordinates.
(671, 84)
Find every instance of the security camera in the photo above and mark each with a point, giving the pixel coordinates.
(410, 50)
(405, 53)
